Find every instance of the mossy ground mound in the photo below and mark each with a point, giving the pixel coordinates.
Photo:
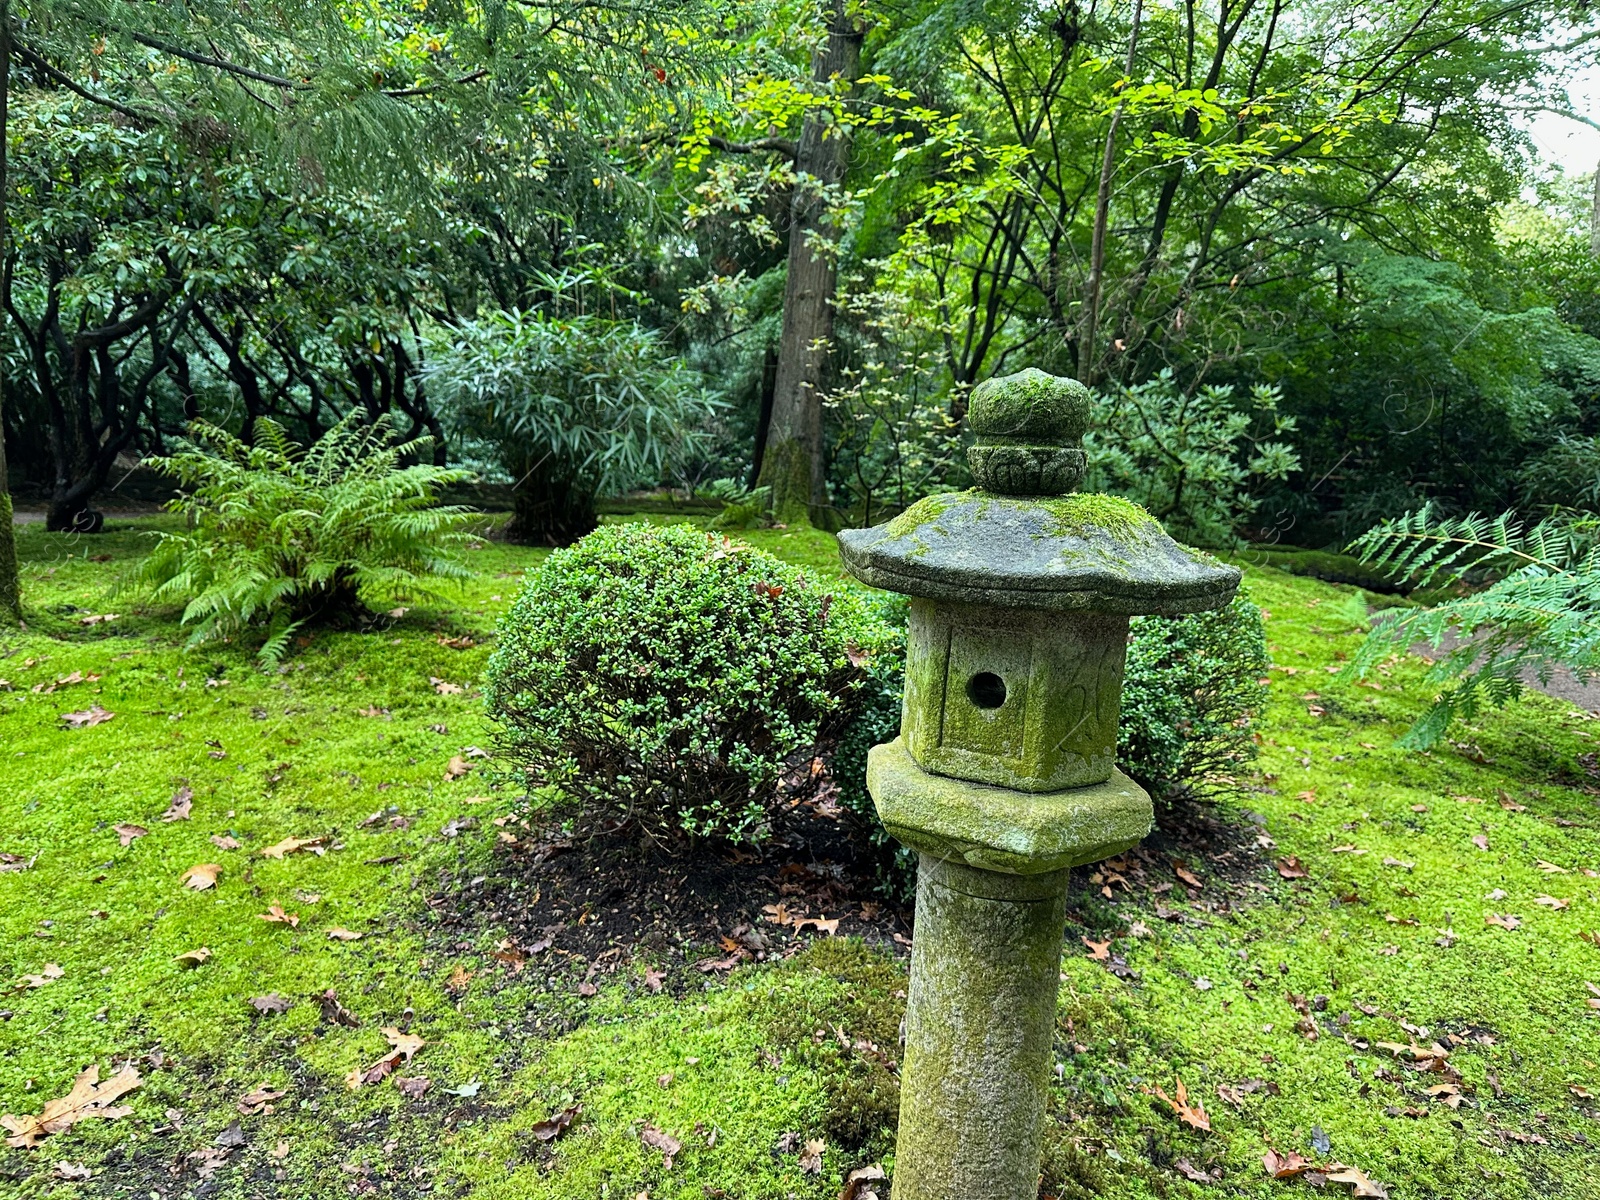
(744, 1066)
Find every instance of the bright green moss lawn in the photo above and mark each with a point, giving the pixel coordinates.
(355, 725)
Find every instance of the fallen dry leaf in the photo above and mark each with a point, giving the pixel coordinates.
(270, 1003)
(457, 768)
(456, 643)
(1551, 902)
(259, 1101)
(1550, 868)
(811, 1156)
(180, 806)
(413, 1087)
(1502, 920)
(293, 845)
(128, 833)
(458, 979)
(553, 1126)
(46, 973)
(404, 1044)
(88, 1098)
(193, 958)
(14, 862)
(1362, 1186)
(664, 1142)
(1285, 1166)
(1181, 870)
(1191, 1172)
(375, 1073)
(336, 934)
(858, 1184)
(1098, 951)
(1194, 1116)
(70, 1170)
(201, 876)
(445, 687)
(276, 915)
(653, 979)
(88, 718)
(1482, 843)
(1291, 868)
(223, 841)
(337, 1014)
(820, 924)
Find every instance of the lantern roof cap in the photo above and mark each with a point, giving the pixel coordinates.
(1069, 553)
(1022, 538)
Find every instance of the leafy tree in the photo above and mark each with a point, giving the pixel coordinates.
(10, 576)
(574, 406)
(1197, 461)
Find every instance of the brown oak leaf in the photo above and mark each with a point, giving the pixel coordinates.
(88, 1098)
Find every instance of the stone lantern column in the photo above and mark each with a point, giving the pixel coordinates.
(1003, 776)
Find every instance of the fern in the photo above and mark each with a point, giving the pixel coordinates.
(1538, 613)
(279, 537)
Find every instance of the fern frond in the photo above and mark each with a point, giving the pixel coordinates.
(279, 535)
(1539, 611)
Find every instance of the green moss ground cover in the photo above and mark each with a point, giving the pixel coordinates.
(1388, 924)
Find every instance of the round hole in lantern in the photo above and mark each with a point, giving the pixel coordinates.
(986, 690)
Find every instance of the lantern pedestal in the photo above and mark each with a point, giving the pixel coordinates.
(998, 829)
(980, 1019)
(985, 964)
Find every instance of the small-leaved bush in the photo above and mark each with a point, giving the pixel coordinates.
(1192, 685)
(279, 536)
(664, 679)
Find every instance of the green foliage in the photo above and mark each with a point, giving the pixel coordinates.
(1540, 612)
(1566, 474)
(10, 585)
(1190, 695)
(742, 507)
(529, 1041)
(667, 677)
(1194, 460)
(1439, 384)
(278, 537)
(575, 406)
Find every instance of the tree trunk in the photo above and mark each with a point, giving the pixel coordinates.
(792, 464)
(769, 383)
(10, 583)
(1594, 217)
(1089, 332)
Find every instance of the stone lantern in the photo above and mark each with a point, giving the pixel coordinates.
(1004, 774)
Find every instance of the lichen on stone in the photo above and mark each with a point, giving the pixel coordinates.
(1083, 513)
(926, 511)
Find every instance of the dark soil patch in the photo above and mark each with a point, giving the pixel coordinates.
(588, 908)
(1191, 842)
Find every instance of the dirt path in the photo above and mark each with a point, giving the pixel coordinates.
(1563, 684)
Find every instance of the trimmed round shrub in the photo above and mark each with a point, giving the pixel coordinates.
(1191, 689)
(667, 677)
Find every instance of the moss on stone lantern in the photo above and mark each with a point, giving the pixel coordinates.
(1004, 774)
